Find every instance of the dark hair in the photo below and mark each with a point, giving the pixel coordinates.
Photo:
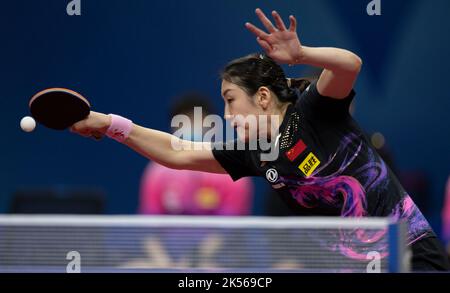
(186, 103)
(256, 70)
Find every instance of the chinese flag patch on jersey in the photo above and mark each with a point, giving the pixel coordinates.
(296, 150)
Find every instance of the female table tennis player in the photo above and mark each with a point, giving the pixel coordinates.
(325, 164)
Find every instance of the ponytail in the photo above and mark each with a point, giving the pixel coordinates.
(299, 84)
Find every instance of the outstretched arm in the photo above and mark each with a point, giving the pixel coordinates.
(341, 67)
(161, 147)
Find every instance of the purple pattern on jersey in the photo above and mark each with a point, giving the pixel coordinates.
(418, 226)
(348, 193)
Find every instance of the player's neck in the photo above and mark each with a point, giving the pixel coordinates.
(275, 124)
(282, 114)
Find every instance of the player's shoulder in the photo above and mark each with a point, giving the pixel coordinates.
(315, 106)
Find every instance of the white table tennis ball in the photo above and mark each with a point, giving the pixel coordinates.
(27, 124)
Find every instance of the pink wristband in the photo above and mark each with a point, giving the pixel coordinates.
(120, 128)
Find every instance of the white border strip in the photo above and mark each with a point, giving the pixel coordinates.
(192, 221)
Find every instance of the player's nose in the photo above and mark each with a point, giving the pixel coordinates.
(226, 113)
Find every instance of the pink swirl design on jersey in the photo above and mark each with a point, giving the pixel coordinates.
(339, 189)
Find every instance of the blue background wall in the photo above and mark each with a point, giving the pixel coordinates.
(132, 57)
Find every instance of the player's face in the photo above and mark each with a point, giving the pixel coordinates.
(241, 111)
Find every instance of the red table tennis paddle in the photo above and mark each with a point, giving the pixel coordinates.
(59, 108)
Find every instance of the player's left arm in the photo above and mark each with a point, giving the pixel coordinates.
(341, 67)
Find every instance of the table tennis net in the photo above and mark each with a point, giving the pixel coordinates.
(195, 244)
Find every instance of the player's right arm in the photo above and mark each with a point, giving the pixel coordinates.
(161, 147)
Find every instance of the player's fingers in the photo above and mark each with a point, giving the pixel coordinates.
(81, 125)
(293, 23)
(84, 133)
(278, 21)
(75, 128)
(80, 128)
(266, 46)
(265, 21)
(256, 31)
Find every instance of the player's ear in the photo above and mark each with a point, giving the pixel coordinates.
(263, 97)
